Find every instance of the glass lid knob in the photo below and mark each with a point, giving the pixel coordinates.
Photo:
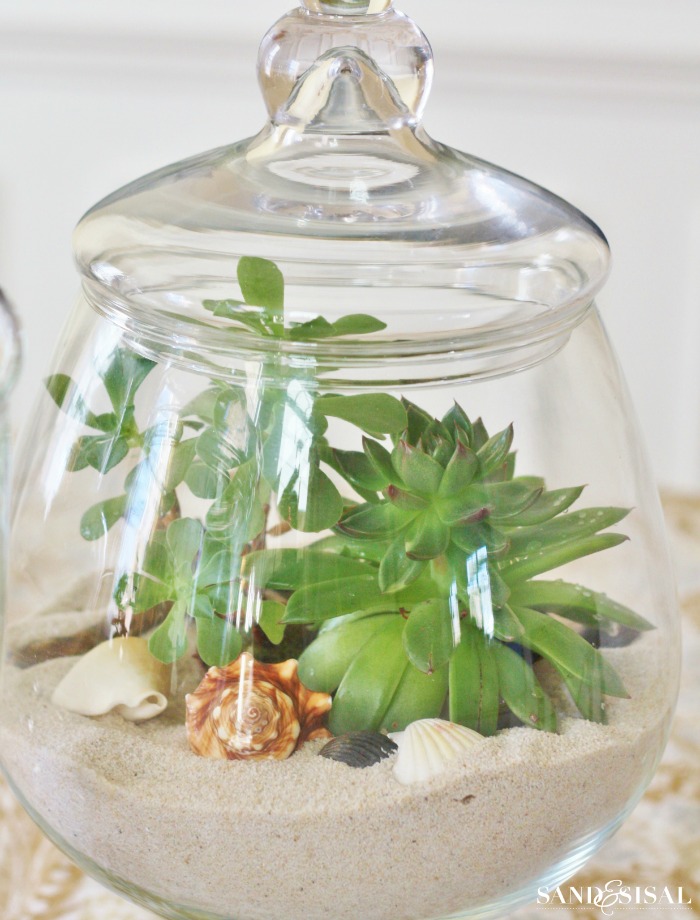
(389, 43)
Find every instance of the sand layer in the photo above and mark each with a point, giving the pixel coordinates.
(309, 838)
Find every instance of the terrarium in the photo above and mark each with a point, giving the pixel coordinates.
(339, 586)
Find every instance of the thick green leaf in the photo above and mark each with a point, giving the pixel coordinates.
(417, 469)
(290, 569)
(316, 603)
(569, 652)
(521, 690)
(546, 506)
(311, 505)
(368, 687)
(380, 458)
(473, 685)
(123, 376)
(471, 537)
(406, 501)
(169, 641)
(270, 621)
(592, 608)
(322, 665)
(523, 567)
(457, 420)
(374, 521)
(98, 519)
(262, 283)
(397, 570)
(218, 641)
(418, 421)
(459, 473)
(508, 498)
(494, 452)
(375, 413)
(563, 529)
(358, 470)
(427, 537)
(429, 636)
(480, 435)
(418, 696)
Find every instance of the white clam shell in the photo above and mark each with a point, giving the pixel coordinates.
(427, 746)
(120, 676)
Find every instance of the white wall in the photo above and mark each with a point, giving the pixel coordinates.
(599, 100)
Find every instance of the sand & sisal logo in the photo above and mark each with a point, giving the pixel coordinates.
(614, 896)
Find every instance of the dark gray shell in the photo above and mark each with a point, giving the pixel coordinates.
(359, 749)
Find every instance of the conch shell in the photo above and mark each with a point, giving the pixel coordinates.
(428, 746)
(119, 675)
(254, 711)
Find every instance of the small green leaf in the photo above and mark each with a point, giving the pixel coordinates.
(418, 421)
(471, 537)
(64, 392)
(375, 413)
(101, 452)
(397, 570)
(406, 501)
(427, 537)
(357, 324)
(457, 420)
(184, 538)
(236, 311)
(262, 283)
(521, 690)
(270, 621)
(180, 460)
(123, 376)
(312, 505)
(202, 406)
(527, 566)
(218, 641)
(429, 636)
(316, 603)
(98, 519)
(215, 449)
(230, 412)
(322, 665)
(368, 687)
(417, 469)
(509, 498)
(203, 481)
(169, 641)
(290, 569)
(459, 473)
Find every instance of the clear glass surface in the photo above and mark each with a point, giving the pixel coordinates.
(335, 443)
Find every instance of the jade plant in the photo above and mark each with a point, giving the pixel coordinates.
(415, 590)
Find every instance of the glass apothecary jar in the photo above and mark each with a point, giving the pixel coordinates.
(339, 580)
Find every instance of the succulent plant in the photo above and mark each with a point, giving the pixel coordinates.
(425, 600)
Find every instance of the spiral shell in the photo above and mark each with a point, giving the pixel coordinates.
(359, 749)
(119, 675)
(428, 746)
(254, 711)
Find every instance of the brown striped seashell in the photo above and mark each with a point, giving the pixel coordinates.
(250, 710)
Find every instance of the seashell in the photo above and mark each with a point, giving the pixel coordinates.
(359, 749)
(428, 746)
(120, 676)
(250, 710)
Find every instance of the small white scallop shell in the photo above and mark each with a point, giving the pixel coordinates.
(427, 746)
(119, 675)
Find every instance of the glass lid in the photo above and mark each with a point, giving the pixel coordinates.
(359, 209)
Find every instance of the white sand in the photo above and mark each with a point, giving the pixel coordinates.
(309, 838)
